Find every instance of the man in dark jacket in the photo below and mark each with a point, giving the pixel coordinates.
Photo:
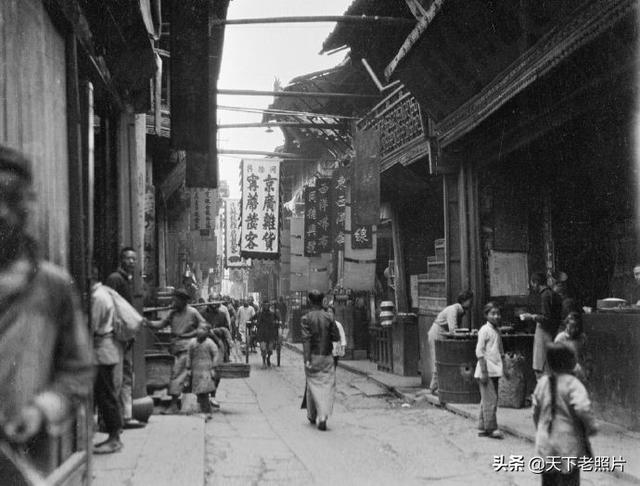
(547, 321)
(319, 331)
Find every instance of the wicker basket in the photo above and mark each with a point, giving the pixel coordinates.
(512, 389)
(233, 370)
(158, 368)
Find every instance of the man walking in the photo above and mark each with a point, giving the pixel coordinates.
(122, 282)
(319, 331)
(46, 356)
(108, 356)
(267, 333)
(184, 321)
(245, 313)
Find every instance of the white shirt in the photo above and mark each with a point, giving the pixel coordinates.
(490, 348)
(102, 317)
(338, 346)
(245, 314)
(448, 319)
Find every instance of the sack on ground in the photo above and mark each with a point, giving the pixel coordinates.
(512, 386)
(127, 320)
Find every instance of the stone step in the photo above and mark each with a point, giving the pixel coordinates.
(435, 270)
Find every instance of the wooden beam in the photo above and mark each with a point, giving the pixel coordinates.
(413, 37)
(344, 19)
(417, 10)
(281, 155)
(293, 94)
(336, 126)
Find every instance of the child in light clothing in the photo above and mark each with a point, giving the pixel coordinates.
(203, 356)
(573, 337)
(489, 369)
(563, 418)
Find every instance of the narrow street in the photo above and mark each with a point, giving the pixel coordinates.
(261, 437)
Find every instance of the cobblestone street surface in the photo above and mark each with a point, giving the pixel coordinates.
(262, 437)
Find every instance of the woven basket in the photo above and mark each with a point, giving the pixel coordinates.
(233, 370)
(512, 390)
(158, 369)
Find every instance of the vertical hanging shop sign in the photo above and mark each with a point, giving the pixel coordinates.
(232, 222)
(260, 208)
(338, 208)
(310, 222)
(202, 208)
(365, 195)
(323, 215)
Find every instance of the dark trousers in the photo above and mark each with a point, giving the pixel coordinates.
(203, 401)
(106, 399)
(335, 361)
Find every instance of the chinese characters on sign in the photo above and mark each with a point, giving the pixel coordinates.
(361, 238)
(323, 221)
(317, 218)
(365, 192)
(232, 221)
(339, 183)
(202, 208)
(310, 236)
(260, 208)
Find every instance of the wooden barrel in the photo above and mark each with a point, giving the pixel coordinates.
(456, 363)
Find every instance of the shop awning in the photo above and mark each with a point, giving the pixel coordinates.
(476, 55)
(196, 53)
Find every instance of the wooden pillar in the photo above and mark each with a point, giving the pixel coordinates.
(463, 214)
(131, 189)
(402, 301)
(88, 159)
(476, 280)
(452, 236)
(77, 257)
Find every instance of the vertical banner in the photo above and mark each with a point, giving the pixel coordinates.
(365, 196)
(202, 208)
(323, 214)
(299, 263)
(232, 226)
(260, 208)
(338, 208)
(310, 222)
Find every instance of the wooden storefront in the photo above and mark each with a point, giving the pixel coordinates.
(532, 128)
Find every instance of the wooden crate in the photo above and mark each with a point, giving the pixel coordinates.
(233, 370)
(158, 370)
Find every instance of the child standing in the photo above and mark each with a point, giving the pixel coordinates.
(202, 359)
(489, 369)
(573, 337)
(563, 418)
